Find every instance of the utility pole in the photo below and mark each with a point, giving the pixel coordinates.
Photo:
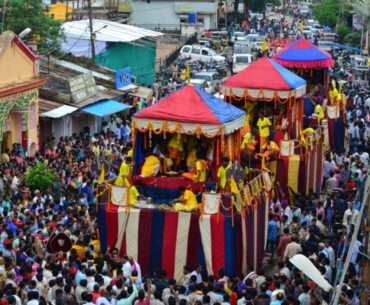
(365, 199)
(365, 293)
(92, 34)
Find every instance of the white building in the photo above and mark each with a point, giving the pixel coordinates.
(170, 14)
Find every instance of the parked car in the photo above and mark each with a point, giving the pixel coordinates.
(237, 36)
(200, 53)
(304, 10)
(212, 78)
(258, 16)
(202, 84)
(241, 61)
(243, 47)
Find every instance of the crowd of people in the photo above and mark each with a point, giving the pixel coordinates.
(319, 226)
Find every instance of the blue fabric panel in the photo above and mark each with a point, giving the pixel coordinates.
(202, 260)
(230, 247)
(223, 111)
(261, 234)
(102, 227)
(339, 135)
(156, 244)
(250, 238)
(159, 195)
(302, 54)
(293, 80)
(139, 152)
(308, 107)
(104, 108)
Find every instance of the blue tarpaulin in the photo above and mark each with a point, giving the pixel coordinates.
(105, 107)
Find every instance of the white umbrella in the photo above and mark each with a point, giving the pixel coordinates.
(309, 269)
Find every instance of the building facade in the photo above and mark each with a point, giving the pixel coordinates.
(19, 91)
(162, 14)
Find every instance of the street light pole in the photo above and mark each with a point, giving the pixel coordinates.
(92, 34)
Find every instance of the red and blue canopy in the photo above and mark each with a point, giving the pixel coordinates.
(303, 54)
(265, 80)
(188, 109)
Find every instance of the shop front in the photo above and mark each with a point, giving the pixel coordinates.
(19, 89)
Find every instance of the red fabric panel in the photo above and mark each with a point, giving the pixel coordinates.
(278, 136)
(172, 183)
(312, 169)
(193, 241)
(145, 223)
(331, 125)
(319, 168)
(111, 219)
(218, 242)
(184, 105)
(169, 243)
(264, 76)
(282, 172)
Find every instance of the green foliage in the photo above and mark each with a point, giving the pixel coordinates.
(40, 177)
(353, 39)
(326, 12)
(21, 14)
(342, 31)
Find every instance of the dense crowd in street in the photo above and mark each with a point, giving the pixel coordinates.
(319, 226)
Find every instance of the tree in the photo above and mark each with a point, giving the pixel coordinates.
(326, 12)
(21, 14)
(362, 7)
(40, 177)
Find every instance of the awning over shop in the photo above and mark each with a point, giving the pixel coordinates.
(104, 108)
(142, 92)
(59, 112)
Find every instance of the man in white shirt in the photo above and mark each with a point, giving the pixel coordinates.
(197, 273)
(126, 268)
(367, 132)
(330, 252)
(347, 216)
(356, 251)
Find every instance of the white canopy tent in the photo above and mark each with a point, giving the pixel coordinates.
(59, 112)
(77, 35)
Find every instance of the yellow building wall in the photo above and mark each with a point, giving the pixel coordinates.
(15, 66)
(58, 11)
(14, 135)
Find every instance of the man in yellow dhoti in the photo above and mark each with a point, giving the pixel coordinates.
(186, 202)
(221, 173)
(318, 113)
(199, 171)
(176, 148)
(151, 166)
(248, 141)
(263, 125)
(133, 194)
(334, 96)
(191, 148)
(124, 176)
